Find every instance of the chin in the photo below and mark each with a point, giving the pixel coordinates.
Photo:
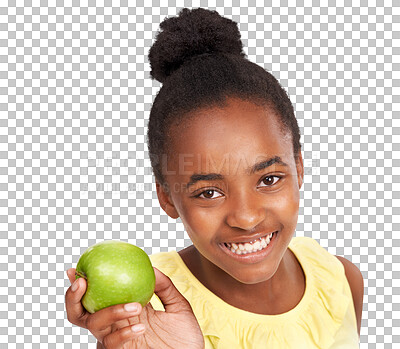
(252, 278)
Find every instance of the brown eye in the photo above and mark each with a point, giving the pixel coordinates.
(269, 180)
(208, 194)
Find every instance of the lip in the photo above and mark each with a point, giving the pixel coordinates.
(254, 257)
(250, 239)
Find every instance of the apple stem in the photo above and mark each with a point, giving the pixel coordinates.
(81, 274)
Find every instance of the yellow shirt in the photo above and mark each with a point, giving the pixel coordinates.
(324, 318)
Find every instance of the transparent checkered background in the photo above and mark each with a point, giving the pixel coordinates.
(75, 96)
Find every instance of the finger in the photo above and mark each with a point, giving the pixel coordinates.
(71, 275)
(171, 298)
(76, 313)
(106, 317)
(117, 339)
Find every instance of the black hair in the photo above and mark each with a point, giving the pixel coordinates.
(198, 57)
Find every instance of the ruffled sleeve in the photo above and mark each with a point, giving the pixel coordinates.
(328, 316)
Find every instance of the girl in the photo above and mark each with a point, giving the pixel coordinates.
(225, 149)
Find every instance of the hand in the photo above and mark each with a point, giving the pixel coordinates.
(114, 326)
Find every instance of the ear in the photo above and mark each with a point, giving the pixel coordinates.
(165, 201)
(300, 169)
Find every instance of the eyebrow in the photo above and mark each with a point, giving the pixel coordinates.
(196, 177)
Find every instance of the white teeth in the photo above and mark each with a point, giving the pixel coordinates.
(256, 245)
(253, 246)
(248, 246)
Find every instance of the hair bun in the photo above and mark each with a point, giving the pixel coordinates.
(192, 33)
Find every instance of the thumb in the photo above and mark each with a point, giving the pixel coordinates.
(71, 275)
(172, 299)
(76, 313)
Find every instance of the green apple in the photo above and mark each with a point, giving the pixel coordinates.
(116, 272)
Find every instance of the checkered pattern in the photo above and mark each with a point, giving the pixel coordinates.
(75, 96)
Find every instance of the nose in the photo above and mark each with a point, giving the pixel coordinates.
(246, 213)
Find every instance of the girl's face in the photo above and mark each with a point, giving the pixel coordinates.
(221, 195)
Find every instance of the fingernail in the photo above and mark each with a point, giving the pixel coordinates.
(137, 328)
(131, 307)
(75, 285)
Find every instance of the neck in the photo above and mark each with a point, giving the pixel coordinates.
(273, 292)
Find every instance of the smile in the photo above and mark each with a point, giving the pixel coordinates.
(250, 247)
(251, 252)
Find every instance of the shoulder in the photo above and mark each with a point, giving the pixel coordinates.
(356, 282)
(162, 258)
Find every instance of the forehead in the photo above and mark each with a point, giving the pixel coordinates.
(217, 139)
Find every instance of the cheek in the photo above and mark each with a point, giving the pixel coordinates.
(199, 223)
(286, 205)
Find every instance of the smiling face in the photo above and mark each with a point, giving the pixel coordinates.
(238, 200)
